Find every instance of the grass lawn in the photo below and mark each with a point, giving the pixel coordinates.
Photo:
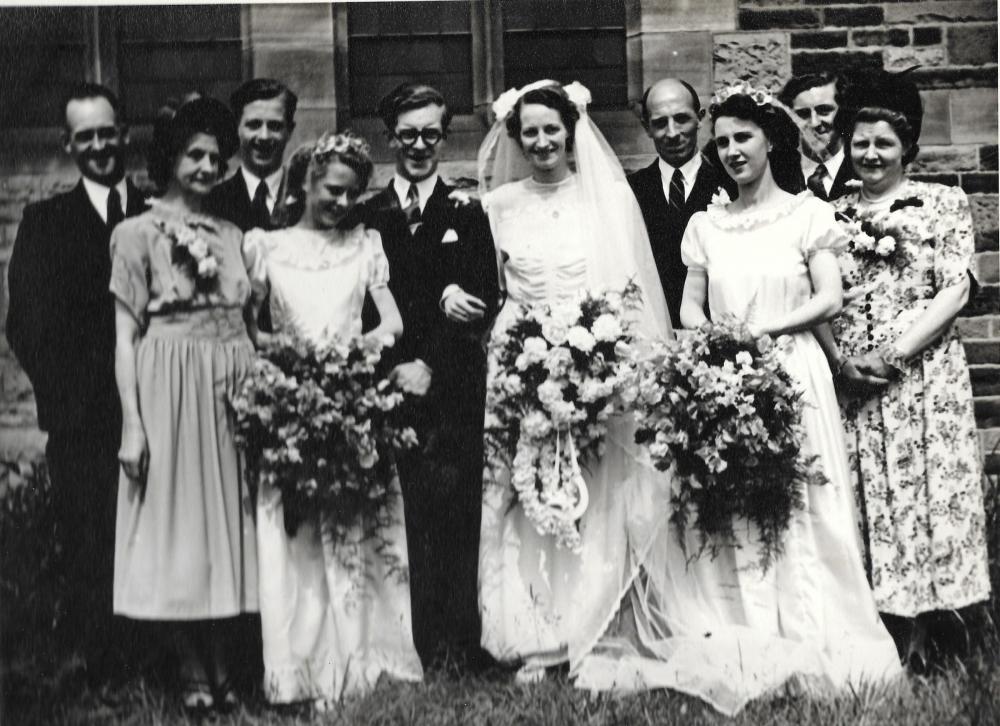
(40, 684)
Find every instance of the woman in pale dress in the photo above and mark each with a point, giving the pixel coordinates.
(334, 616)
(185, 548)
(560, 231)
(723, 629)
(915, 465)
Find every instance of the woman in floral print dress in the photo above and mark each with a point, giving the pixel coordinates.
(908, 410)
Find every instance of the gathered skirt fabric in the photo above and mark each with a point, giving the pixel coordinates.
(185, 546)
(335, 615)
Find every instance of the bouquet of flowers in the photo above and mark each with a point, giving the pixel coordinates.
(719, 407)
(321, 426)
(561, 372)
(877, 236)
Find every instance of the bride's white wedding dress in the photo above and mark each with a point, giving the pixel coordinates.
(539, 603)
(334, 619)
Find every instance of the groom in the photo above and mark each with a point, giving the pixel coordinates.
(443, 275)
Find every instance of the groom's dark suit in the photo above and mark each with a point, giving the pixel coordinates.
(840, 186)
(61, 327)
(665, 225)
(442, 480)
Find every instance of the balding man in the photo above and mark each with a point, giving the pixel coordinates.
(679, 183)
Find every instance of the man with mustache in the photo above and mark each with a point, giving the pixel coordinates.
(443, 275)
(679, 183)
(61, 327)
(816, 99)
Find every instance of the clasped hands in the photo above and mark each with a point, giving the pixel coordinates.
(866, 373)
(461, 307)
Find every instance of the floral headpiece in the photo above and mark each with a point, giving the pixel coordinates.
(338, 144)
(742, 88)
(577, 93)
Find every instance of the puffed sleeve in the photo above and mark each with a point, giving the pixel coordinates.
(255, 261)
(955, 238)
(377, 273)
(130, 276)
(692, 250)
(823, 232)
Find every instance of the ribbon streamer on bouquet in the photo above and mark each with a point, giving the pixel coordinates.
(576, 476)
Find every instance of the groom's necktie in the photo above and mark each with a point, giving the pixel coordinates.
(115, 213)
(259, 211)
(815, 182)
(412, 208)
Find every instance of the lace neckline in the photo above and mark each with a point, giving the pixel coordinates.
(721, 214)
(531, 182)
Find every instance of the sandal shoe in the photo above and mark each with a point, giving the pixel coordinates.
(196, 698)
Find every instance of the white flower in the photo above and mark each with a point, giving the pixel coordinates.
(591, 390)
(555, 330)
(558, 360)
(607, 328)
(208, 267)
(580, 338)
(864, 241)
(744, 359)
(535, 349)
(885, 246)
(549, 392)
(198, 248)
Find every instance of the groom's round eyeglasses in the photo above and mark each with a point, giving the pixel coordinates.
(408, 137)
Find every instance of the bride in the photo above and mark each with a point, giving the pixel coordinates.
(559, 229)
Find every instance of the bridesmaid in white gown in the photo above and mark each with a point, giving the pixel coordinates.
(722, 629)
(559, 232)
(333, 618)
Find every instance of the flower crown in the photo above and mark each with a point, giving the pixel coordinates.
(338, 144)
(742, 88)
(577, 93)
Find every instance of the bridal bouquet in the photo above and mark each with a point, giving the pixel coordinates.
(321, 426)
(719, 407)
(561, 372)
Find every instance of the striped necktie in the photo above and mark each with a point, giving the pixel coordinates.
(412, 208)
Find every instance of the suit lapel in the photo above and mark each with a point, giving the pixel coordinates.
(85, 213)
(135, 203)
(435, 216)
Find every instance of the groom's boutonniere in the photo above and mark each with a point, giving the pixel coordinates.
(450, 236)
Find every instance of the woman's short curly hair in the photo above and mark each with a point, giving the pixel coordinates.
(779, 129)
(552, 96)
(177, 123)
(310, 162)
(899, 123)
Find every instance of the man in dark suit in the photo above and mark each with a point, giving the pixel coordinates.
(679, 183)
(61, 327)
(816, 99)
(266, 112)
(443, 274)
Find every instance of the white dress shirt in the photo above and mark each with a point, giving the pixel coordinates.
(98, 194)
(425, 187)
(273, 182)
(689, 170)
(832, 167)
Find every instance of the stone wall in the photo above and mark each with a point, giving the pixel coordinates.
(707, 42)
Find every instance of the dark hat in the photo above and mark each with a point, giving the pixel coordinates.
(892, 91)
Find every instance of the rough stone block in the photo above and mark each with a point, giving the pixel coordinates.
(980, 183)
(987, 411)
(972, 45)
(979, 351)
(893, 36)
(988, 267)
(985, 380)
(986, 302)
(778, 19)
(812, 39)
(853, 17)
(307, 69)
(932, 159)
(974, 327)
(974, 115)
(937, 117)
(984, 213)
(926, 36)
(679, 55)
(988, 157)
(19, 188)
(664, 16)
(290, 22)
(955, 11)
(948, 77)
(808, 62)
(762, 58)
(899, 59)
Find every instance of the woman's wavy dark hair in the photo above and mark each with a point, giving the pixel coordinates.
(311, 161)
(552, 96)
(175, 125)
(784, 157)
